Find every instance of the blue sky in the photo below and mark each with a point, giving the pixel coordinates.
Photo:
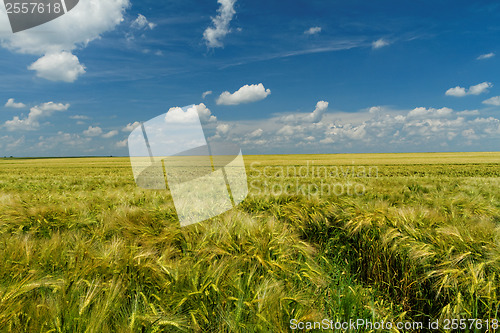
(294, 77)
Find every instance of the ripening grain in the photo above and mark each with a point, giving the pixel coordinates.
(374, 236)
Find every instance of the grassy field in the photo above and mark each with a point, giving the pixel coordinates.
(392, 237)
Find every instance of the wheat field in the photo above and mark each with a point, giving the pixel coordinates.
(393, 237)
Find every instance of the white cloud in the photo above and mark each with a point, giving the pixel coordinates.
(457, 92)
(312, 117)
(222, 129)
(257, 133)
(83, 24)
(110, 134)
(493, 101)
(204, 113)
(131, 126)
(430, 112)
(357, 132)
(214, 35)
(486, 56)
(318, 112)
(139, 26)
(32, 121)
(122, 143)
(380, 43)
(473, 90)
(346, 131)
(313, 31)
(479, 88)
(470, 134)
(93, 131)
(468, 113)
(287, 130)
(63, 143)
(177, 115)
(62, 66)
(206, 93)
(10, 144)
(76, 29)
(11, 104)
(382, 129)
(141, 22)
(246, 94)
(49, 107)
(79, 117)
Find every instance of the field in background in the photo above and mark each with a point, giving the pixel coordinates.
(393, 237)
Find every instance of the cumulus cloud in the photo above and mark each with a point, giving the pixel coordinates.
(93, 131)
(76, 29)
(422, 112)
(383, 130)
(48, 108)
(288, 130)
(206, 93)
(312, 117)
(380, 43)
(142, 22)
(318, 112)
(204, 113)
(313, 31)
(493, 101)
(11, 144)
(131, 126)
(486, 56)
(83, 24)
(177, 115)
(64, 143)
(79, 117)
(32, 121)
(375, 109)
(62, 66)
(470, 134)
(12, 104)
(222, 129)
(215, 34)
(110, 134)
(122, 143)
(257, 133)
(246, 94)
(457, 92)
(347, 131)
(468, 113)
(429, 126)
(139, 26)
(480, 88)
(473, 90)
